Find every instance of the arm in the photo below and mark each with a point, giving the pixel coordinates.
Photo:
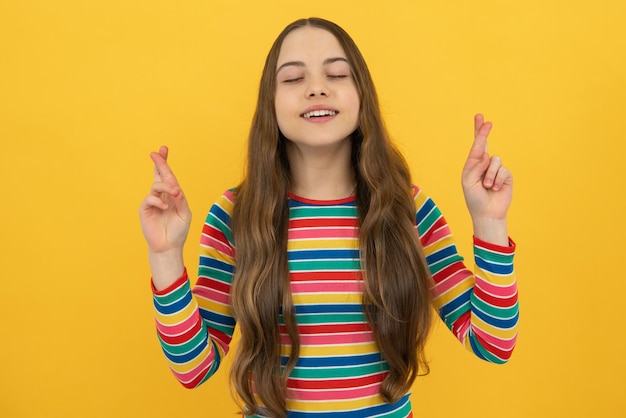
(195, 326)
(480, 308)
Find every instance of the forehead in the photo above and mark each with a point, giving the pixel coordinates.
(309, 44)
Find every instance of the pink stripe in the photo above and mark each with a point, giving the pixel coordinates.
(495, 290)
(452, 281)
(326, 287)
(209, 241)
(504, 345)
(335, 394)
(180, 327)
(438, 235)
(196, 371)
(331, 339)
(461, 329)
(322, 233)
(211, 294)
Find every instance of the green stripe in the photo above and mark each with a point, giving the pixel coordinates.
(215, 274)
(451, 318)
(490, 357)
(217, 223)
(493, 257)
(182, 348)
(428, 221)
(173, 296)
(323, 319)
(338, 372)
(323, 265)
(323, 212)
(495, 311)
(440, 265)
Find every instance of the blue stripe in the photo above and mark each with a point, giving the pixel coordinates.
(218, 213)
(217, 318)
(426, 208)
(177, 306)
(475, 348)
(324, 308)
(216, 264)
(336, 361)
(323, 254)
(455, 303)
(503, 269)
(183, 358)
(441, 254)
(496, 322)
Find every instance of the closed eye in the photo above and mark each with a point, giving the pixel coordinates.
(292, 80)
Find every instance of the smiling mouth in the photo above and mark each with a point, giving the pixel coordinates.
(319, 113)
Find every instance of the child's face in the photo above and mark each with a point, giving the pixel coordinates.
(317, 103)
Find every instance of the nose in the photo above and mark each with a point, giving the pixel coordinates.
(316, 87)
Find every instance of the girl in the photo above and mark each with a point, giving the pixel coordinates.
(326, 255)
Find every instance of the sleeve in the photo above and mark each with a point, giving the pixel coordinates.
(195, 326)
(480, 308)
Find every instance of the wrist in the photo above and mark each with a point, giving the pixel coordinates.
(491, 230)
(166, 267)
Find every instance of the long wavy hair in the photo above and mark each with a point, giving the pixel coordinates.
(397, 284)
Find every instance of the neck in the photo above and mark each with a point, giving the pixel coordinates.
(322, 174)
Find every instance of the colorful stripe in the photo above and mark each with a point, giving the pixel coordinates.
(339, 370)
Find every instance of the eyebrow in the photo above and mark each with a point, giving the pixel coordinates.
(327, 61)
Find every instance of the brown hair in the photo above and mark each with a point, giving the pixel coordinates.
(396, 300)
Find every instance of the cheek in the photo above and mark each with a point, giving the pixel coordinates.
(282, 109)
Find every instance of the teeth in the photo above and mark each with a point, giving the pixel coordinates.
(315, 113)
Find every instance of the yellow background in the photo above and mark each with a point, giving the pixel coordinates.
(88, 89)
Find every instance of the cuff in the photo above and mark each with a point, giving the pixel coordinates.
(510, 249)
(177, 283)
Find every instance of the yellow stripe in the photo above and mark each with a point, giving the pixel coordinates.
(489, 329)
(495, 279)
(347, 243)
(316, 298)
(327, 405)
(333, 350)
(453, 293)
(187, 367)
(212, 306)
(179, 316)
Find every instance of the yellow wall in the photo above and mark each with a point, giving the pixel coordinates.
(88, 89)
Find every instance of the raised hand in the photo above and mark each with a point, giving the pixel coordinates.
(487, 185)
(164, 214)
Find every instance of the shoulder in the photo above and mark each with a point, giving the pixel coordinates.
(420, 197)
(425, 207)
(222, 208)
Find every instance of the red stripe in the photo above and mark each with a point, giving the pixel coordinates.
(458, 324)
(425, 238)
(213, 284)
(510, 249)
(336, 383)
(348, 276)
(495, 301)
(449, 271)
(504, 355)
(212, 232)
(180, 339)
(322, 222)
(330, 329)
(196, 381)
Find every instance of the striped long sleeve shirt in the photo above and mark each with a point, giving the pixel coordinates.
(340, 369)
